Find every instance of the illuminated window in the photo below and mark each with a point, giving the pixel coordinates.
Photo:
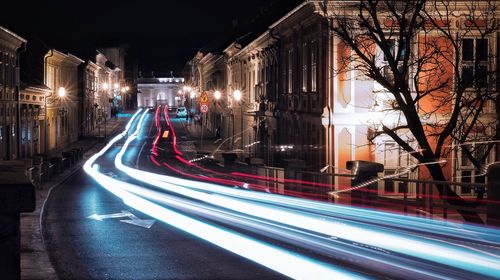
(314, 66)
(305, 61)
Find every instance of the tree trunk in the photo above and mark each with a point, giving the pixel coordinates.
(445, 192)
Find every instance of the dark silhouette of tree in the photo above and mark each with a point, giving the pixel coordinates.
(434, 59)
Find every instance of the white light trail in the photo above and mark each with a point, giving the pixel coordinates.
(283, 261)
(435, 251)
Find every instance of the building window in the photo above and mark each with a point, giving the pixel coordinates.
(289, 66)
(2, 80)
(399, 46)
(474, 62)
(467, 171)
(314, 66)
(305, 55)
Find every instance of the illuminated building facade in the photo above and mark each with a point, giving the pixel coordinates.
(153, 91)
(61, 75)
(88, 97)
(299, 105)
(32, 99)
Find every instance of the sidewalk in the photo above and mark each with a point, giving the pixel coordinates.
(210, 143)
(35, 262)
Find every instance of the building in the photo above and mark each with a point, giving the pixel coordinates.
(108, 85)
(88, 96)
(61, 75)
(10, 47)
(116, 57)
(32, 99)
(154, 91)
(293, 94)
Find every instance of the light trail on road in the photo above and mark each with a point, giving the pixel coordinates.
(456, 255)
(369, 238)
(281, 260)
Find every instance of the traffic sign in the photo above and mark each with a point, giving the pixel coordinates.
(204, 98)
(204, 108)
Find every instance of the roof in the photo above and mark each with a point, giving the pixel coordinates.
(245, 31)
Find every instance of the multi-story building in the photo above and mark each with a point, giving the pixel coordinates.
(88, 97)
(154, 91)
(121, 93)
(302, 97)
(32, 99)
(10, 46)
(61, 75)
(110, 85)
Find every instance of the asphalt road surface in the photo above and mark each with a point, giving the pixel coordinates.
(84, 248)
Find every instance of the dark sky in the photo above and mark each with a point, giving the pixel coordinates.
(163, 34)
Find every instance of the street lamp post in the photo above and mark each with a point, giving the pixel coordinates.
(61, 93)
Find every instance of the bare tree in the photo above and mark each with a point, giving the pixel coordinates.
(434, 60)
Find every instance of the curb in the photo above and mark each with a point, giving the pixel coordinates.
(58, 184)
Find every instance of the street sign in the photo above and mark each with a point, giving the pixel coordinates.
(204, 98)
(204, 108)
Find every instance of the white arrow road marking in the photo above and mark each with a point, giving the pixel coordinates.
(140, 223)
(134, 220)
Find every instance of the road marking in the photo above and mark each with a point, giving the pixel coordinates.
(134, 220)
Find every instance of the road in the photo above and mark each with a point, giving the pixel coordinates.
(83, 248)
(196, 216)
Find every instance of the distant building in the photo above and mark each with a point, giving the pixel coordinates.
(108, 86)
(61, 75)
(88, 97)
(153, 91)
(10, 43)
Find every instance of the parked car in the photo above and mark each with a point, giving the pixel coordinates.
(181, 112)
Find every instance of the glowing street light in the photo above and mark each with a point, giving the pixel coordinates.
(116, 85)
(192, 94)
(237, 95)
(105, 86)
(61, 92)
(217, 94)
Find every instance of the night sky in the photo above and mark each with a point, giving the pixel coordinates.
(162, 34)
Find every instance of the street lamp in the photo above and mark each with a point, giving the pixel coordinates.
(61, 92)
(105, 86)
(217, 95)
(237, 95)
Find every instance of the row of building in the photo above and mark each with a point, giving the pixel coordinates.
(283, 94)
(45, 109)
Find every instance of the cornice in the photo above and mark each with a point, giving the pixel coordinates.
(11, 39)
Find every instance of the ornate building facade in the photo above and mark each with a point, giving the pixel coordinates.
(153, 91)
(297, 103)
(32, 99)
(10, 46)
(61, 75)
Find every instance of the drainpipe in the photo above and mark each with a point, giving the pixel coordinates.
(18, 98)
(329, 91)
(46, 57)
